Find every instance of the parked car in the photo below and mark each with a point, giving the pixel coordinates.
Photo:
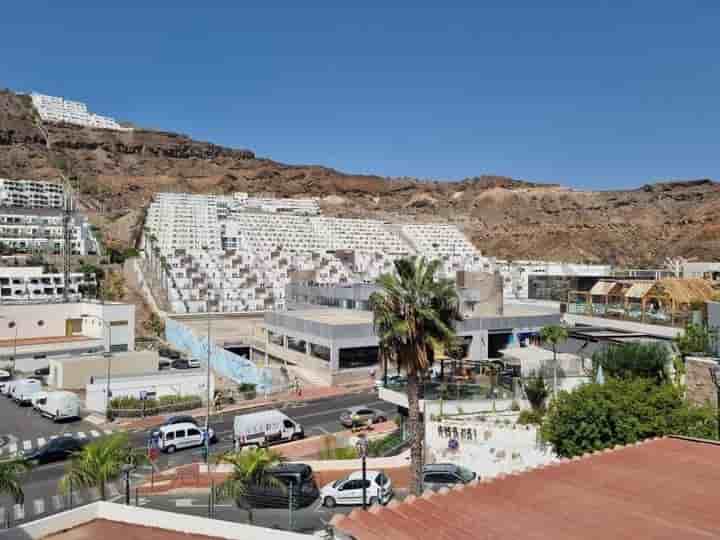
(378, 488)
(43, 371)
(296, 476)
(186, 363)
(180, 419)
(440, 475)
(55, 450)
(163, 364)
(392, 380)
(58, 405)
(178, 436)
(5, 379)
(164, 352)
(356, 416)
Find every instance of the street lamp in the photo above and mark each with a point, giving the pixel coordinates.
(715, 374)
(362, 450)
(207, 383)
(108, 355)
(126, 470)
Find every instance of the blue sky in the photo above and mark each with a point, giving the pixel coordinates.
(597, 98)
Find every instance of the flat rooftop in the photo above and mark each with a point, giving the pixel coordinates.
(49, 340)
(332, 316)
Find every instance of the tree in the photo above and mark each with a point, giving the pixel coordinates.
(536, 391)
(696, 339)
(249, 469)
(414, 309)
(100, 462)
(554, 335)
(11, 473)
(630, 360)
(622, 411)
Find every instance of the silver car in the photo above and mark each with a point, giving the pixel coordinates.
(361, 416)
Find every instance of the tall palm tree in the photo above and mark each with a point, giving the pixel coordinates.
(100, 462)
(554, 335)
(11, 473)
(249, 469)
(413, 310)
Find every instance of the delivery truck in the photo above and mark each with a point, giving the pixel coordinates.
(58, 405)
(265, 428)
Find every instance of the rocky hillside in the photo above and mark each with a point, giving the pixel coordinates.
(117, 174)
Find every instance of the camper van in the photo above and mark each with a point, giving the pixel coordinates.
(57, 405)
(265, 428)
(23, 390)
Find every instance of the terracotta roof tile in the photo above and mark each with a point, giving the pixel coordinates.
(657, 489)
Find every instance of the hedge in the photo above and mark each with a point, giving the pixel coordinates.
(132, 407)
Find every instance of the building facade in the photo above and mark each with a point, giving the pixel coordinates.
(59, 110)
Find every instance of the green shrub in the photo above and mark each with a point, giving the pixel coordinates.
(622, 411)
(630, 360)
(379, 447)
(533, 417)
(127, 406)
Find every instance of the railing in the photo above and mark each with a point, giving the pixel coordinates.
(632, 313)
(448, 390)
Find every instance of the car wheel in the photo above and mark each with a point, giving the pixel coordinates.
(380, 419)
(171, 449)
(295, 437)
(329, 502)
(373, 501)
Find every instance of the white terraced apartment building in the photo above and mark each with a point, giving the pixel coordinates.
(211, 253)
(30, 284)
(31, 194)
(57, 109)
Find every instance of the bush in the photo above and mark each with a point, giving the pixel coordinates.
(130, 407)
(622, 411)
(381, 447)
(627, 361)
(536, 391)
(533, 417)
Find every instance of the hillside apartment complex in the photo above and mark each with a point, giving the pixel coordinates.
(57, 109)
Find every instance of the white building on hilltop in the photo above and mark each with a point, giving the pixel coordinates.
(31, 194)
(57, 109)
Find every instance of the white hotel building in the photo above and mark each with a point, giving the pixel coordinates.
(57, 109)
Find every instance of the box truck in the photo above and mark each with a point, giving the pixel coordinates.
(265, 428)
(23, 390)
(58, 405)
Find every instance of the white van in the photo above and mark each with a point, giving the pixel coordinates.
(57, 405)
(5, 380)
(23, 390)
(265, 428)
(178, 436)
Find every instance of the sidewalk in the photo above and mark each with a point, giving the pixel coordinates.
(308, 394)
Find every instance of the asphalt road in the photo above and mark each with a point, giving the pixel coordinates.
(318, 417)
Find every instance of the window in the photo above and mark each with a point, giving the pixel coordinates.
(288, 424)
(170, 436)
(440, 478)
(180, 434)
(192, 432)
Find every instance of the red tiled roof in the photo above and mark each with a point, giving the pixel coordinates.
(112, 530)
(664, 488)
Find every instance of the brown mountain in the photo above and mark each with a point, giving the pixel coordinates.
(118, 172)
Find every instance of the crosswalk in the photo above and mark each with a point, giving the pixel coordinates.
(43, 506)
(16, 445)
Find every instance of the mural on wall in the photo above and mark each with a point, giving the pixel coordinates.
(225, 363)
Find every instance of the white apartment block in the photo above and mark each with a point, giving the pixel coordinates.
(31, 194)
(212, 253)
(41, 229)
(240, 201)
(57, 109)
(30, 284)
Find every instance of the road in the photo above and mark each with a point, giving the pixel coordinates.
(318, 417)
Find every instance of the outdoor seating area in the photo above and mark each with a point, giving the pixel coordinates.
(670, 301)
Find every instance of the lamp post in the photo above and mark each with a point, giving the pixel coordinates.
(126, 470)
(207, 383)
(362, 450)
(715, 374)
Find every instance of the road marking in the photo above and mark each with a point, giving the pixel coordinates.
(183, 503)
(27, 445)
(329, 411)
(39, 506)
(41, 441)
(320, 429)
(57, 502)
(18, 512)
(81, 435)
(318, 506)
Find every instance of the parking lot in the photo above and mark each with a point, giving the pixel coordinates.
(21, 428)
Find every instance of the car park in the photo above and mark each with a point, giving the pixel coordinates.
(440, 475)
(178, 436)
(297, 477)
(56, 449)
(359, 416)
(378, 489)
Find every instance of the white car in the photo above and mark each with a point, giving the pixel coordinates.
(350, 490)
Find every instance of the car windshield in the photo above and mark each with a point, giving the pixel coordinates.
(466, 474)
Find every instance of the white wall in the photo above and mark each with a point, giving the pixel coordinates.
(181, 384)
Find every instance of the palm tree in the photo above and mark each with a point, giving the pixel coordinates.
(100, 462)
(413, 310)
(249, 469)
(11, 472)
(554, 335)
